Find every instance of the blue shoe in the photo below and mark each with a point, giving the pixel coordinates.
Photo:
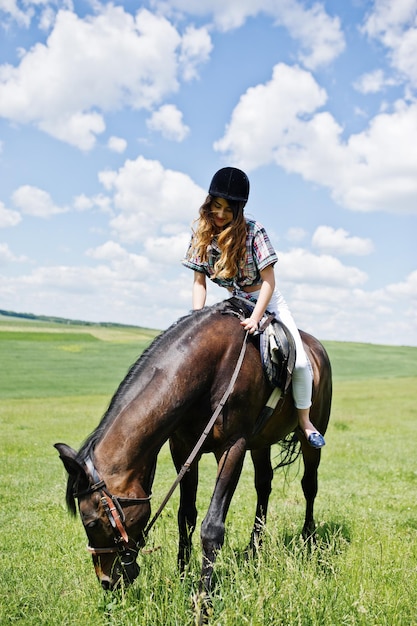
(316, 440)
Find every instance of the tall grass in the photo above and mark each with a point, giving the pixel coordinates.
(363, 570)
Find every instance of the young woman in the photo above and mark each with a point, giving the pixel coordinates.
(236, 253)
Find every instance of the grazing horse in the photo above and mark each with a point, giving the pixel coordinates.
(170, 393)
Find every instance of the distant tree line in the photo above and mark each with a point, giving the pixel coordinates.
(60, 320)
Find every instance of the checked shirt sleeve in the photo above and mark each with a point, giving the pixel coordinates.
(262, 249)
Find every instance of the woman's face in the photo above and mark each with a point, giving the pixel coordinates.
(221, 212)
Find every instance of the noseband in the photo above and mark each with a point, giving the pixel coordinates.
(113, 506)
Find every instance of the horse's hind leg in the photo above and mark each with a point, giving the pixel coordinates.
(187, 510)
(309, 484)
(263, 485)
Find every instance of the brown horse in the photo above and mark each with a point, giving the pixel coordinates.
(171, 393)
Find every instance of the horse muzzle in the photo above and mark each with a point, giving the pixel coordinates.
(118, 569)
(130, 568)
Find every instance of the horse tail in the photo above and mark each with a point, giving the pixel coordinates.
(289, 452)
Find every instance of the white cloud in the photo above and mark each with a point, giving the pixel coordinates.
(48, 16)
(300, 266)
(196, 47)
(319, 35)
(117, 144)
(78, 129)
(340, 242)
(266, 114)
(167, 250)
(130, 266)
(405, 288)
(168, 121)
(85, 203)
(12, 10)
(23, 12)
(36, 202)
(117, 60)
(7, 256)
(296, 234)
(394, 24)
(115, 290)
(373, 82)
(385, 316)
(150, 200)
(8, 217)
(371, 170)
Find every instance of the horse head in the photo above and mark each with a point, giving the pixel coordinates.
(114, 525)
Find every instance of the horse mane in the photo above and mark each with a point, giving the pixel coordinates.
(116, 403)
(160, 342)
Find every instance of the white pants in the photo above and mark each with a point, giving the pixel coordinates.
(302, 379)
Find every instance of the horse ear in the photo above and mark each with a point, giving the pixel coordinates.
(69, 458)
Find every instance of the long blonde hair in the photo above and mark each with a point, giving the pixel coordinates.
(231, 240)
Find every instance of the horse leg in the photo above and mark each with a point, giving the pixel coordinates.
(263, 484)
(212, 529)
(187, 510)
(309, 484)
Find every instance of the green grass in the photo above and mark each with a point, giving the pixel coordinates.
(352, 361)
(40, 364)
(362, 572)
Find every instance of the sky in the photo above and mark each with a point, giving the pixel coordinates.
(114, 117)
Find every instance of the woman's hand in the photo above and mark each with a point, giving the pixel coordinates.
(250, 325)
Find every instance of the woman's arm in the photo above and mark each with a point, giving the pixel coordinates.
(265, 295)
(199, 290)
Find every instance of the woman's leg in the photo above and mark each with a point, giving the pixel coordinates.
(302, 379)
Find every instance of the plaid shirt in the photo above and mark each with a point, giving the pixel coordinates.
(259, 254)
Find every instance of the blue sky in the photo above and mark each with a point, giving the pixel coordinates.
(113, 118)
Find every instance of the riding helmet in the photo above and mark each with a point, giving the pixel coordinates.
(230, 183)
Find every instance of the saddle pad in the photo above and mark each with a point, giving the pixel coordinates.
(278, 354)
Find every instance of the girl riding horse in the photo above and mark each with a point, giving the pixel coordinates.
(236, 253)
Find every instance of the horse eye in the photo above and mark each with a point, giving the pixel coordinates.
(92, 524)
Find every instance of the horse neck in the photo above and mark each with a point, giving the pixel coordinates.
(174, 379)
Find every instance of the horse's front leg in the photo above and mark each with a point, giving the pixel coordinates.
(212, 529)
(187, 511)
(263, 485)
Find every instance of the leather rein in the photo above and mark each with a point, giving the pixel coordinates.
(186, 466)
(113, 505)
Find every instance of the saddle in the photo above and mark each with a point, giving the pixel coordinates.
(278, 353)
(276, 344)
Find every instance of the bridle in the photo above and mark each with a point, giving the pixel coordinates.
(126, 547)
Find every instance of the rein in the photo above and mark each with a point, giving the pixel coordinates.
(113, 505)
(203, 437)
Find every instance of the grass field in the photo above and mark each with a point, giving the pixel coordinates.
(56, 382)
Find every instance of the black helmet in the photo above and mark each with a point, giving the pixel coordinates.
(231, 184)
